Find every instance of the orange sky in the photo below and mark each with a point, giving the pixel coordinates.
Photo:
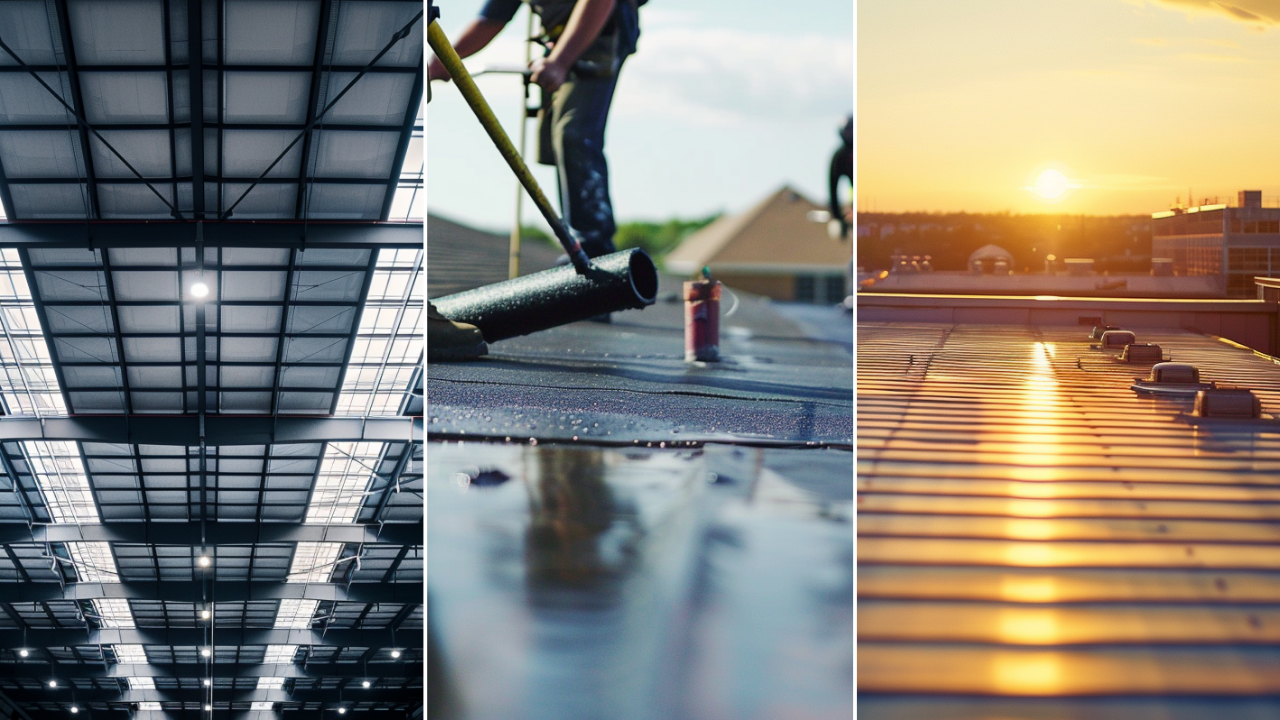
(962, 104)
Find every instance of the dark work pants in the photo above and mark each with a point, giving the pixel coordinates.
(571, 137)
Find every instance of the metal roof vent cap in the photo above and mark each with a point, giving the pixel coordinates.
(1227, 404)
(1096, 333)
(1118, 338)
(1142, 353)
(1174, 372)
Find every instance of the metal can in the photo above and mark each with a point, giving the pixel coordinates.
(702, 320)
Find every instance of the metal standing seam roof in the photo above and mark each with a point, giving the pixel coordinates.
(210, 505)
(1037, 539)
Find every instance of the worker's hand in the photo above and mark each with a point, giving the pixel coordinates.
(548, 74)
(436, 71)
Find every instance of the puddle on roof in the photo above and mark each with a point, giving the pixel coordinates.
(636, 584)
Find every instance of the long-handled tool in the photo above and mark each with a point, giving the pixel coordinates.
(467, 86)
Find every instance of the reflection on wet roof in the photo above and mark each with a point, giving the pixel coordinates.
(1037, 539)
(641, 583)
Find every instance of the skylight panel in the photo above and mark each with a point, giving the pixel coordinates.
(130, 654)
(259, 705)
(388, 343)
(60, 475)
(313, 562)
(142, 683)
(93, 561)
(270, 683)
(410, 201)
(28, 383)
(114, 612)
(346, 471)
(148, 705)
(295, 614)
(280, 654)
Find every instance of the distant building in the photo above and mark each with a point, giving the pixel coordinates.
(990, 260)
(460, 257)
(773, 249)
(1235, 244)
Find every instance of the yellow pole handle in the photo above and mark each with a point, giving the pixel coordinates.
(443, 49)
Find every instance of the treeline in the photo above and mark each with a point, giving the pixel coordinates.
(657, 238)
(1117, 243)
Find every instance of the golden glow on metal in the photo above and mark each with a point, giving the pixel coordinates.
(1026, 673)
(1029, 626)
(1039, 589)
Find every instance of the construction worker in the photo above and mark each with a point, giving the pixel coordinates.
(586, 41)
(841, 166)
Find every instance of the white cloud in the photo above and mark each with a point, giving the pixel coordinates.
(723, 76)
(1258, 14)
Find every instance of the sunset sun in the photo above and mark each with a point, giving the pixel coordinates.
(1050, 185)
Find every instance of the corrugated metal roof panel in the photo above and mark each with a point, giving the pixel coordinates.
(1031, 526)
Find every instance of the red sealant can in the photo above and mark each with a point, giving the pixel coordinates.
(702, 320)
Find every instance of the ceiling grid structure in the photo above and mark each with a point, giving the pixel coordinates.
(210, 369)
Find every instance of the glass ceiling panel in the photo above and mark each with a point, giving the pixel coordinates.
(388, 346)
(28, 383)
(346, 471)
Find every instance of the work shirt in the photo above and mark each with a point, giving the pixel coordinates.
(625, 20)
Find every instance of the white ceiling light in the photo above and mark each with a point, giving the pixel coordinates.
(199, 289)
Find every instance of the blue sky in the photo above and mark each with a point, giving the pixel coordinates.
(724, 102)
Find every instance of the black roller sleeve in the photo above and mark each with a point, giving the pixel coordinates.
(620, 281)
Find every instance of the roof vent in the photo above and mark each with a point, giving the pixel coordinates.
(1172, 372)
(1118, 339)
(1227, 404)
(1096, 334)
(1142, 353)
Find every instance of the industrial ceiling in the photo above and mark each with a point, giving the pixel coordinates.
(211, 278)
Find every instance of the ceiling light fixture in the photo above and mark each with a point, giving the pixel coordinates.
(342, 711)
(23, 652)
(199, 289)
(207, 682)
(205, 652)
(53, 683)
(74, 709)
(204, 614)
(204, 561)
(208, 708)
(364, 684)
(395, 653)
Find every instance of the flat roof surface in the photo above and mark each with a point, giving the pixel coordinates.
(602, 571)
(628, 382)
(1036, 539)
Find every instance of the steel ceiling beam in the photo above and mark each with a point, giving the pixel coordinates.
(397, 671)
(222, 533)
(219, 430)
(285, 234)
(224, 590)
(195, 81)
(193, 637)
(196, 695)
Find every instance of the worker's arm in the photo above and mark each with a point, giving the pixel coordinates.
(472, 40)
(588, 19)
